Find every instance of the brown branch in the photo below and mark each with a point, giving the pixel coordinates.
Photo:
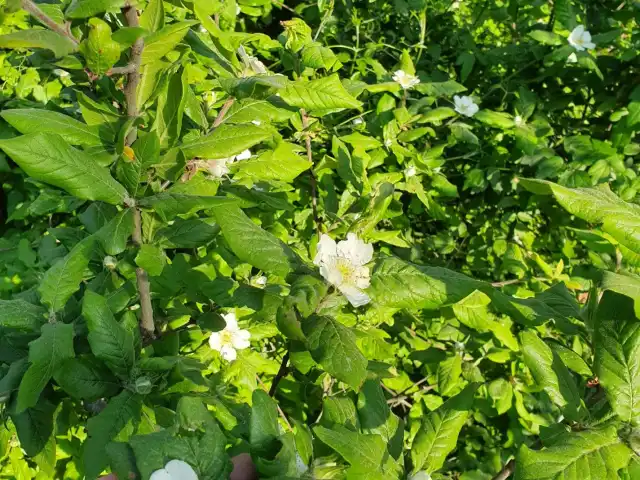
(506, 472)
(223, 111)
(130, 90)
(314, 181)
(282, 372)
(45, 19)
(130, 68)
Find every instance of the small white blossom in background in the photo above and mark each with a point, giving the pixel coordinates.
(406, 80)
(253, 66)
(175, 470)
(388, 143)
(580, 39)
(261, 281)
(230, 339)
(219, 167)
(420, 476)
(465, 106)
(410, 172)
(110, 262)
(238, 10)
(458, 346)
(343, 265)
(573, 58)
(518, 120)
(60, 73)
(257, 123)
(357, 121)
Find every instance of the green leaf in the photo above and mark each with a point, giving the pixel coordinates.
(315, 55)
(545, 37)
(36, 120)
(375, 212)
(168, 204)
(171, 104)
(247, 110)
(159, 43)
(376, 417)
(109, 341)
(104, 427)
(49, 158)
(441, 89)
(95, 113)
(501, 393)
(360, 450)
(89, 8)
(334, 347)
(127, 36)
(152, 259)
(252, 244)
(114, 235)
(495, 119)
(439, 432)
(63, 279)
(339, 411)
(617, 349)
(46, 354)
(324, 93)
(34, 426)
(11, 380)
(587, 454)
(625, 284)
(58, 44)
(264, 429)
(448, 374)
(21, 315)
(187, 233)
(282, 163)
(152, 18)
(598, 205)
(99, 50)
(86, 379)
(551, 374)
(225, 141)
(437, 115)
(122, 460)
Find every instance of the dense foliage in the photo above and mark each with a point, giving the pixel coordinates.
(381, 240)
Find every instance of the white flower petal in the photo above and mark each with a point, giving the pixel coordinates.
(180, 470)
(422, 475)
(243, 155)
(240, 339)
(356, 297)
(215, 341)
(326, 248)
(355, 250)
(161, 474)
(301, 467)
(228, 353)
(231, 321)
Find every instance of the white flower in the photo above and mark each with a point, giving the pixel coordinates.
(60, 73)
(458, 346)
(238, 10)
(260, 281)
(388, 142)
(422, 475)
(244, 155)
(257, 123)
(573, 58)
(410, 172)
(343, 265)
(465, 106)
(110, 262)
(406, 80)
(175, 470)
(201, 29)
(357, 121)
(218, 167)
(230, 339)
(518, 120)
(580, 39)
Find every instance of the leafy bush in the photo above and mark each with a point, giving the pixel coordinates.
(353, 240)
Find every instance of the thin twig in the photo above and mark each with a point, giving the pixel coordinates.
(223, 111)
(506, 472)
(282, 372)
(264, 387)
(133, 77)
(314, 181)
(34, 10)
(282, 5)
